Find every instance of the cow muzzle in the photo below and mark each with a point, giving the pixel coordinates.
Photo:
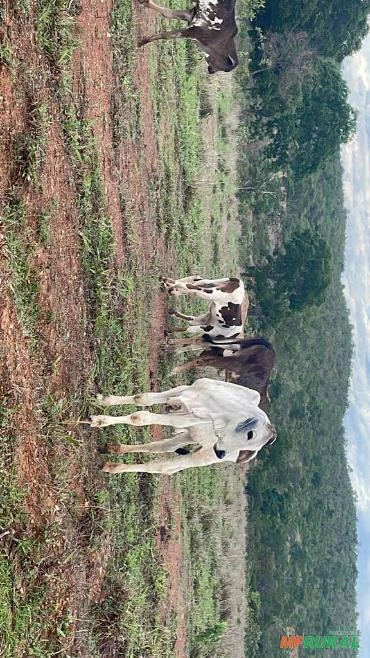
(220, 454)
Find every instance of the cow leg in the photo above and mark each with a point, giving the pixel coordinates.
(187, 341)
(166, 445)
(213, 282)
(195, 347)
(139, 418)
(184, 367)
(142, 399)
(173, 330)
(180, 315)
(194, 319)
(181, 14)
(194, 278)
(193, 290)
(165, 466)
(172, 34)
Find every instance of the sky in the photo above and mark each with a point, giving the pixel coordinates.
(356, 279)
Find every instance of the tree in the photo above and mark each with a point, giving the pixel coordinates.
(296, 278)
(291, 56)
(309, 134)
(324, 120)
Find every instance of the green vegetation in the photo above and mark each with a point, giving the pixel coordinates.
(54, 31)
(301, 561)
(294, 279)
(30, 145)
(6, 55)
(178, 211)
(181, 219)
(24, 278)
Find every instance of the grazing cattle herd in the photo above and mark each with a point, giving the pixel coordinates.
(214, 421)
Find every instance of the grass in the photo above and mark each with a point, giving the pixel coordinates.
(24, 278)
(30, 145)
(22, 619)
(55, 33)
(45, 221)
(191, 209)
(6, 55)
(96, 233)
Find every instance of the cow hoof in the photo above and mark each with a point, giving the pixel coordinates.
(143, 2)
(97, 421)
(110, 448)
(85, 421)
(109, 467)
(171, 311)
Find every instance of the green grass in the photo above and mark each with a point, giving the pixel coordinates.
(44, 221)
(55, 32)
(6, 55)
(22, 619)
(29, 146)
(191, 217)
(24, 278)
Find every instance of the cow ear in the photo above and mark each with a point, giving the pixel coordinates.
(247, 425)
(245, 456)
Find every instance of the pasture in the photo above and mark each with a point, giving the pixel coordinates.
(116, 167)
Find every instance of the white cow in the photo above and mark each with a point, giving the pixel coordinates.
(222, 419)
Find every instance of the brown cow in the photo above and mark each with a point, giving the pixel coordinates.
(250, 363)
(211, 23)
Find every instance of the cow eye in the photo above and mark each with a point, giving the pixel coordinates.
(250, 436)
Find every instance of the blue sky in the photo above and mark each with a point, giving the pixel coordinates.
(356, 279)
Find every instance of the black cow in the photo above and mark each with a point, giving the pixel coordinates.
(250, 362)
(211, 23)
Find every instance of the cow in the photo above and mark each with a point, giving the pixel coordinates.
(227, 310)
(249, 360)
(221, 420)
(211, 23)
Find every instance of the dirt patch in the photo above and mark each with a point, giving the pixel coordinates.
(93, 83)
(65, 326)
(170, 546)
(42, 384)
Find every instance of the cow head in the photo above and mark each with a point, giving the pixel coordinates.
(246, 456)
(259, 434)
(222, 58)
(248, 437)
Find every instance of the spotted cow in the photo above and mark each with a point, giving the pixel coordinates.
(211, 23)
(227, 312)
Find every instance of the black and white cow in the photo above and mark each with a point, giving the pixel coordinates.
(211, 23)
(227, 311)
